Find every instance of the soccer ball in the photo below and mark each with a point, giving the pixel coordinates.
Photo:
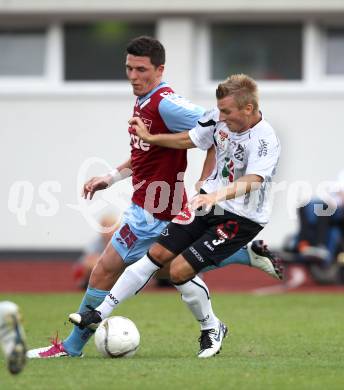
(117, 337)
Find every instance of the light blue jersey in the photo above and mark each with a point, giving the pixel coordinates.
(177, 112)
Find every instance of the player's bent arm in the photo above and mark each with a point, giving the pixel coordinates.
(175, 141)
(209, 163)
(208, 167)
(241, 186)
(101, 182)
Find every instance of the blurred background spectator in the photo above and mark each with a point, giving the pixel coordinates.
(319, 242)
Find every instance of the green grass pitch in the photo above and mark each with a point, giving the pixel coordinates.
(276, 342)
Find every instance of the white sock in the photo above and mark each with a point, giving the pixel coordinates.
(132, 280)
(196, 295)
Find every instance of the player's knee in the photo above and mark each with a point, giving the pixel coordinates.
(160, 254)
(181, 271)
(176, 275)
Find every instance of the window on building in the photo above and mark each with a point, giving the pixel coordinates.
(96, 51)
(335, 51)
(263, 51)
(22, 52)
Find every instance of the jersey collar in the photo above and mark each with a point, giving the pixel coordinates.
(141, 99)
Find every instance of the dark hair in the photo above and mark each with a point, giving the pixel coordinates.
(145, 46)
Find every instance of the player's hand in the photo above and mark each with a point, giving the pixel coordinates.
(205, 201)
(140, 128)
(95, 184)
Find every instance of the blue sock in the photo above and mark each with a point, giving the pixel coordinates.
(239, 257)
(77, 339)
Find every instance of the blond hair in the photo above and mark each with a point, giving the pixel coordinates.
(243, 89)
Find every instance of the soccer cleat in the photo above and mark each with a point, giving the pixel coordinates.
(12, 337)
(55, 350)
(210, 341)
(88, 319)
(262, 258)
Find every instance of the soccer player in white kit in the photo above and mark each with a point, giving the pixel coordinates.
(230, 211)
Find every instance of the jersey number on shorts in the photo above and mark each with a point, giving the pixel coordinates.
(127, 235)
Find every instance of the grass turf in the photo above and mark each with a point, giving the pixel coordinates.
(276, 342)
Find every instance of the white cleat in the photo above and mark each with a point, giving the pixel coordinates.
(211, 341)
(12, 337)
(262, 258)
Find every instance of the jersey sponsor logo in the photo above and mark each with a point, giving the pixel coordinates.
(135, 141)
(206, 243)
(196, 254)
(239, 153)
(184, 217)
(262, 148)
(228, 230)
(138, 143)
(221, 233)
(178, 100)
(127, 237)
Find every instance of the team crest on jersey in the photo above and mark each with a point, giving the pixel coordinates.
(222, 139)
(223, 135)
(147, 122)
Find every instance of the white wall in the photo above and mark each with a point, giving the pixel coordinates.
(47, 135)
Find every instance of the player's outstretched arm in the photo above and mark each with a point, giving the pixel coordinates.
(101, 182)
(174, 141)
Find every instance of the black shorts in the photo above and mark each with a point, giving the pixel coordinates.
(208, 239)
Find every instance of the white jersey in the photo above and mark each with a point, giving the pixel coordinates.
(256, 151)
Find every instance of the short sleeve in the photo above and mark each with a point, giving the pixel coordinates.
(178, 113)
(264, 153)
(202, 135)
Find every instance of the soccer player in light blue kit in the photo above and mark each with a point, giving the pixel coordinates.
(159, 195)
